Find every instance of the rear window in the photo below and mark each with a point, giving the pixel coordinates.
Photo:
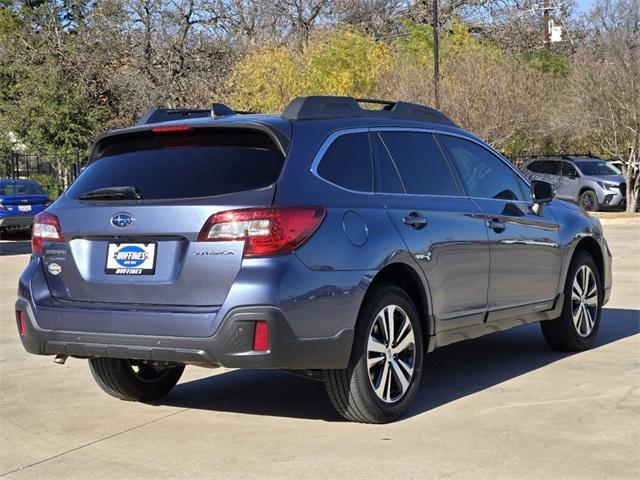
(184, 165)
(20, 188)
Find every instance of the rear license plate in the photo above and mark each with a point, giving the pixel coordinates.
(24, 208)
(131, 259)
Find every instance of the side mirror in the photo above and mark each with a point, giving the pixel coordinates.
(542, 193)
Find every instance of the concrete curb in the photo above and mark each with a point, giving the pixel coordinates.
(620, 221)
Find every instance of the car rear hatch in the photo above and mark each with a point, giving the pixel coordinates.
(145, 251)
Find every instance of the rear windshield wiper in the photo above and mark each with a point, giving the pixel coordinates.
(112, 193)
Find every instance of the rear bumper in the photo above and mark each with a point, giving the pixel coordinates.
(231, 346)
(16, 222)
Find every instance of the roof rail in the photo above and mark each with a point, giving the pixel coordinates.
(319, 107)
(159, 115)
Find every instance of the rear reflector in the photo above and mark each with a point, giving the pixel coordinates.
(46, 227)
(22, 324)
(261, 337)
(265, 231)
(171, 128)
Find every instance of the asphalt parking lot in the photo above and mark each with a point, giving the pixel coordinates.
(503, 406)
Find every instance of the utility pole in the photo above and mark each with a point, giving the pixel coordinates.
(546, 34)
(436, 68)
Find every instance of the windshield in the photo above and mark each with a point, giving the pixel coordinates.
(597, 167)
(19, 188)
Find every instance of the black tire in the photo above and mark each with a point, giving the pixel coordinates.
(562, 333)
(351, 390)
(589, 201)
(132, 381)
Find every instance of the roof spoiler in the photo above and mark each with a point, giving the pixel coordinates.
(160, 115)
(319, 107)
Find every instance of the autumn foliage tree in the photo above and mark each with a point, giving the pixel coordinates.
(602, 105)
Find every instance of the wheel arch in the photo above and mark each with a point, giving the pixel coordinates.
(591, 246)
(406, 277)
(585, 189)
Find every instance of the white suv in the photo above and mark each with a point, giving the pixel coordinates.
(590, 182)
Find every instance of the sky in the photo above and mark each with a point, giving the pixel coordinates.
(583, 6)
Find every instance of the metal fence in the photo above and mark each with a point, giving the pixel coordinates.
(53, 171)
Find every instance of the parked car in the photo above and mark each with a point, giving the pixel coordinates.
(330, 240)
(591, 182)
(20, 201)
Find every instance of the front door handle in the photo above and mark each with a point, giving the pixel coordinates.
(415, 220)
(496, 225)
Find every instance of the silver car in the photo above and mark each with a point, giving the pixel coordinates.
(590, 182)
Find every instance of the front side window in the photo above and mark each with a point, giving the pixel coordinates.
(347, 163)
(568, 170)
(483, 173)
(422, 167)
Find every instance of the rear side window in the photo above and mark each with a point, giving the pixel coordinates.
(484, 174)
(347, 163)
(549, 167)
(184, 164)
(388, 178)
(422, 167)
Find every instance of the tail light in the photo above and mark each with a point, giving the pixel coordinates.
(261, 337)
(46, 227)
(172, 129)
(22, 324)
(265, 231)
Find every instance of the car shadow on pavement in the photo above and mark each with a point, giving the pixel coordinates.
(15, 243)
(450, 373)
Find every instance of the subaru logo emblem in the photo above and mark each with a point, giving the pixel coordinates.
(121, 220)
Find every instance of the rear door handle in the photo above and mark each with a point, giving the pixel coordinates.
(415, 220)
(496, 225)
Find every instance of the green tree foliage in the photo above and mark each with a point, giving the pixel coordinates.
(340, 63)
(547, 61)
(44, 102)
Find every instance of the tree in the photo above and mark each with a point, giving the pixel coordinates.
(339, 63)
(487, 91)
(43, 100)
(603, 101)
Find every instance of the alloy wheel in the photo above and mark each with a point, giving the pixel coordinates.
(584, 301)
(588, 202)
(391, 354)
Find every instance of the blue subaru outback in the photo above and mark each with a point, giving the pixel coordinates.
(332, 240)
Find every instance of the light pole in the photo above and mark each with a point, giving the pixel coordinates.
(546, 34)
(436, 69)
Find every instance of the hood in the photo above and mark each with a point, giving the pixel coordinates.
(608, 178)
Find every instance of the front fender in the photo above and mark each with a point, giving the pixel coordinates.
(577, 227)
